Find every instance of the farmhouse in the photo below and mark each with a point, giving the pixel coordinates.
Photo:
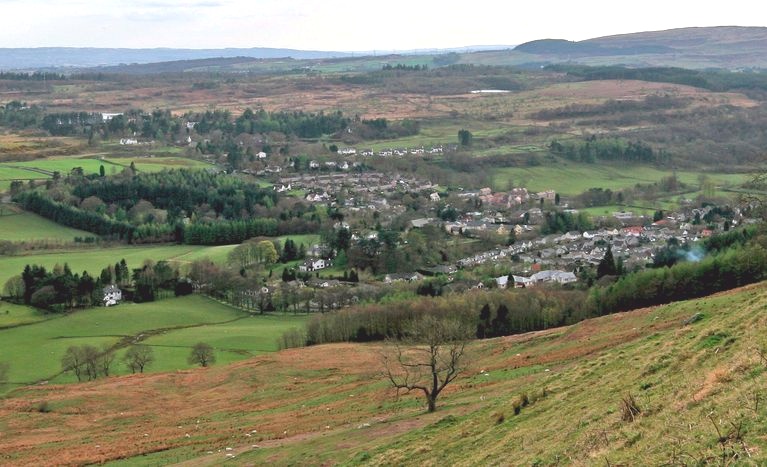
(313, 265)
(112, 295)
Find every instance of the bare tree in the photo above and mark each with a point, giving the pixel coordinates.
(428, 358)
(202, 354)
(74, 361)
(105, 359)
(138, 357)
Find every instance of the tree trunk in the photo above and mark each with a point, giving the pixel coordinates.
(432, 403)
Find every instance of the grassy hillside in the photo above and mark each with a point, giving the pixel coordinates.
(18, 225)
(171, 327)
(572, 178)
(698, 385)
(94, 260)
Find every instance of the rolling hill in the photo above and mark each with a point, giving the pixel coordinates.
(728, 47)
(692, 371)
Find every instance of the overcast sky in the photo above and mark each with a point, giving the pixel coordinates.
(343, 25)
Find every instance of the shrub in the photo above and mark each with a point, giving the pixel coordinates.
(629, 408)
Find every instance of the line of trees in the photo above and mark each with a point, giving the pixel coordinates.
(59, 289)
(71, 216)
(729, 269)
(596, 149)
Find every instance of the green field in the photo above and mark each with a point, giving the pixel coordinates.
(35, 350)
(94, 260)
(14, 315)
(26, 170)
(23, 226)
(570, 178)
(156, 164)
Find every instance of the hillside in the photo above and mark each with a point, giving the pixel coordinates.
(728, 47)
(698, 382)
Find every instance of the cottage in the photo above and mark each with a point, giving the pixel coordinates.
(502, 282)
(112, 295)
(402, 277)
(313, 265)
(434, 197)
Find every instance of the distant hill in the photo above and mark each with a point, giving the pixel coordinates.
(93, 57)
(75, 57)
(730, 47)
(586, 48)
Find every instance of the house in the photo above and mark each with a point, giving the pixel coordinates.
(420, 223)
(502, 281)
(434, 197)
(261, 155)
(112, 295)
(521, 282)
(400, 277)
(313, 265)
(560, 277)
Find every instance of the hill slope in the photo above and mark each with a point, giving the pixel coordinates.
(698, 385)
(728, 47)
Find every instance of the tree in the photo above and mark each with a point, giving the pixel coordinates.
(428, 357)
(464, 137)
(138, 357)
(74, 361)
(266, 252)
(607, 265)
(14, 288)
(202, 354)
(105, 359)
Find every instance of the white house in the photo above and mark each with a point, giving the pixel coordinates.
(560, 277)
(502, 281)
(112, 295)
(313, 265)
(261, 155)
(434, 197)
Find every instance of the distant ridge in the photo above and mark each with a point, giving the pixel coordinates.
(92, 57)
(586, 48)
(74, 57)
(698, 47)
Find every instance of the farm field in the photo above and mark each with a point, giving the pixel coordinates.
(14, 315)
(42, 169)
(95, 259)
(571, 179)
(23, 226)
(174, 325)
(328, 404)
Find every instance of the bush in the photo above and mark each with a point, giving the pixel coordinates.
(629, 408)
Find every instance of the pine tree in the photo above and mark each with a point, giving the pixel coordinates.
(607, 266)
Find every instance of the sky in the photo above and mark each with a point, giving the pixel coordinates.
(343, 25)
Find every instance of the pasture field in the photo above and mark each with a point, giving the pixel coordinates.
(569, 178)
(23, 226)
(94, 260)
(41, 169)
(15, 315)
(170, 326)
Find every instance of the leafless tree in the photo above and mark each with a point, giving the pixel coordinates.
(138, 357)
(105, 359)
(430, 356)
(202, 354)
